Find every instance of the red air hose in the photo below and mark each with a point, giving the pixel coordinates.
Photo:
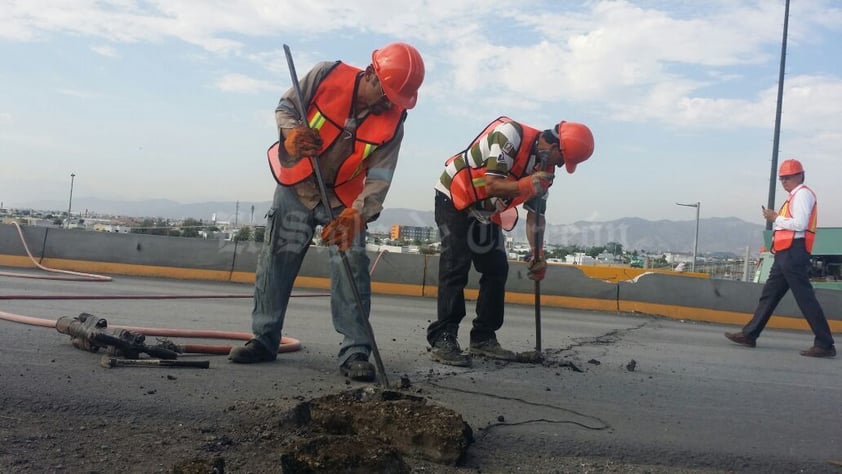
(288, 344)
(75, 276)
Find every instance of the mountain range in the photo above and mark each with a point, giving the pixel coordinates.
(728, 235)
(716, 234)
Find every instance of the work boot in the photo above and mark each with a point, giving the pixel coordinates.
(492, 349)
(357, 367)
(252, 352)
(446, 350)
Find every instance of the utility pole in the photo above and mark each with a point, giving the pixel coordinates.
(773, 178)
(70, 201)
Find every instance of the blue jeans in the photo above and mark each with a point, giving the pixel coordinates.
(290, 227)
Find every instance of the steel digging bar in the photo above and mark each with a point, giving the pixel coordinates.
(538, 246)
(536, 355)
(538, 317)
(381, 371)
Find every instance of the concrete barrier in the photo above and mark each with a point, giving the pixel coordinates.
(681, 296)
(711, 300)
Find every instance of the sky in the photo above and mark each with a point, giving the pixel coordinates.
(174, 99)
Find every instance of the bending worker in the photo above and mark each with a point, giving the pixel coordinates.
(354, 123)
(508, 164)
(793, 233)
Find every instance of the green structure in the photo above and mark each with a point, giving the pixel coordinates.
(827, 258)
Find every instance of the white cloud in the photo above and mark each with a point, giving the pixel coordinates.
(672, 68)
(81, 94)
(242, 83)
(106, 51)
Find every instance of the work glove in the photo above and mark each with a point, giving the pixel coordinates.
(342, 230)
(536, 184)
(302, 141)
(537, 267)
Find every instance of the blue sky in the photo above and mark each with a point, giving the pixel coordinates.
(173, 99)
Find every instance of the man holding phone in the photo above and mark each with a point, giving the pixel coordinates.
(794, 230)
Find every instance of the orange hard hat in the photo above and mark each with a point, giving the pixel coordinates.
(400, 69)
(790, 167)
(575, 142)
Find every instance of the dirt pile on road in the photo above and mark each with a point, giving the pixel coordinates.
(358, 431)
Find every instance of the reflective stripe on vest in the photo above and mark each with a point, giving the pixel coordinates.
(329, 109)
(782, 238)
(468, 184)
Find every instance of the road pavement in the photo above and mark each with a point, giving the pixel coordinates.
(622, 388)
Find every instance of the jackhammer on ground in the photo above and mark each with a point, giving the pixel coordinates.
(90, 333)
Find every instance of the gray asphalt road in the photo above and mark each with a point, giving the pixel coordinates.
(692, 400)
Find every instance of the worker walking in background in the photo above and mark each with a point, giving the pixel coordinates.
(354, 124)
(507, 165)
(793, 233)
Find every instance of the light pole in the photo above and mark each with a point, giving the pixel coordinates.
(70, 202)
(697, 205)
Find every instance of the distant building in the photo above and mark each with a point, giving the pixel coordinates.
(579, 258)
(406, 232)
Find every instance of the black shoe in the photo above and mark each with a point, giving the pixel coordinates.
(357, 367)
(446, 350)
(252, 352)
(492, 349)
(741, 339)
(816, 351)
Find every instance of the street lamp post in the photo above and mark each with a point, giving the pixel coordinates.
(70, 202)
(698, 206)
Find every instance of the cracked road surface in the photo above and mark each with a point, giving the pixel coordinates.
(616, 393)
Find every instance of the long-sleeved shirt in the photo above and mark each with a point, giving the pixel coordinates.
(381, 163)
(800, 207)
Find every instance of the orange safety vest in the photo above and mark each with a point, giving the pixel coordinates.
(329, 108)
(468, 184)
(782, 239)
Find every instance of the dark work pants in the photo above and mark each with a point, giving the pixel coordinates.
(791, 271)
(465, 240)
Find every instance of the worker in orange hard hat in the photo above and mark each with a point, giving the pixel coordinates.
(793, 234)
(353, 121)
(508, 164)
(400, 69)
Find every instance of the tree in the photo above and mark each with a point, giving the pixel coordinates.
(243, 234)
(660, 262)
(191, 227)
(145, 227)
(259, 233)
(160, 227)
(594, 251)
(615, 248)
